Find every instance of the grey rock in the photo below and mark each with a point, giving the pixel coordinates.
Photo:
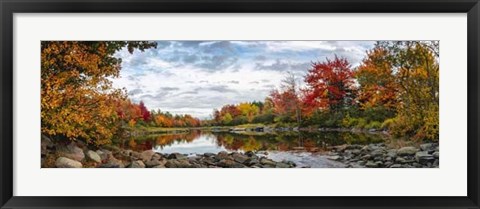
(63, 162)
(222, 155)
(103, 154)
(250, 154)
(366, 157)
(417, 165)
(239, 157)
(423, 157)
(396, 166)
(157, 156)
(251, 161)
(371, 164)
(93, 156)
(267, 162)
(47, 143)
(71, 151)
(356, 152)
(335, 157)
(175, 163)
(400, 160)
(137, 164)
(282, 165)
(226, 163)
(407, 151)
(177, 156)
(209, 154)
(392, 153)
(208, 161)
(147, 155)
(112, 162)
(427, 147)
(155, 162)
(436, 155)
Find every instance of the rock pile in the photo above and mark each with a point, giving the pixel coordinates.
(379, 156)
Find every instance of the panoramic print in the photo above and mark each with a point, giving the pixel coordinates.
(240, 104)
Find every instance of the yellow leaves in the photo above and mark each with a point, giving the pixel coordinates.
(132, 123)
(76, 94)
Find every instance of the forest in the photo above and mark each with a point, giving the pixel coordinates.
(394, 89)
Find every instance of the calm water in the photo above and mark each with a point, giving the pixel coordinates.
(303, 148)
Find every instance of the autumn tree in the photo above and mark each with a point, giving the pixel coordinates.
(287, 102)
(248, 110)
(144, 112)
(77, 97)
(416, 70)
(330, 85)
(378, 92)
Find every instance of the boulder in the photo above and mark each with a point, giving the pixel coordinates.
(366, 157)
(147, 155)
(335, 157)
(175, 163)
(251, 161)
(112, 162)
(137, 164)
(392, 153)
(427, 147)
(46, 143)
(371, 164)
(282, 165)
(377, 152)
(226, 163)
(93, 156)
(177, 156)
(423, 157)
(103, 154)
(157, 156)
(396, 166)
(71, 151)
(407, 151)
(222, 156)
(267, 162)
(207, 161)
(63, 162)
(250, 153)
(155, 162)
(436, 154)
(209, 154)
(356, 152)
(237, 157)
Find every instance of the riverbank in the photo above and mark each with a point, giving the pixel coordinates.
(78, 155)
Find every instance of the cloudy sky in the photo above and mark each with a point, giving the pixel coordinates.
(194, 77)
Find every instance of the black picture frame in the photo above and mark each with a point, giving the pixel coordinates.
(10, 7)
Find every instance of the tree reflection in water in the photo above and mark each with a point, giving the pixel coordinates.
(255, 141)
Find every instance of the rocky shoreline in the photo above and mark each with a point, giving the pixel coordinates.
(79, 155)
(379, 156)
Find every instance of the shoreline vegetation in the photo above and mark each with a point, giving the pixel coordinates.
(394, 92)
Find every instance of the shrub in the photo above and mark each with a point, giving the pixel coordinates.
(373, 125)
(361, 123)
(387, 124)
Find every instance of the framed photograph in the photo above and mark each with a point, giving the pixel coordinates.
(237, 104)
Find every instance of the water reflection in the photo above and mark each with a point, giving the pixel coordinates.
(199, 142)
